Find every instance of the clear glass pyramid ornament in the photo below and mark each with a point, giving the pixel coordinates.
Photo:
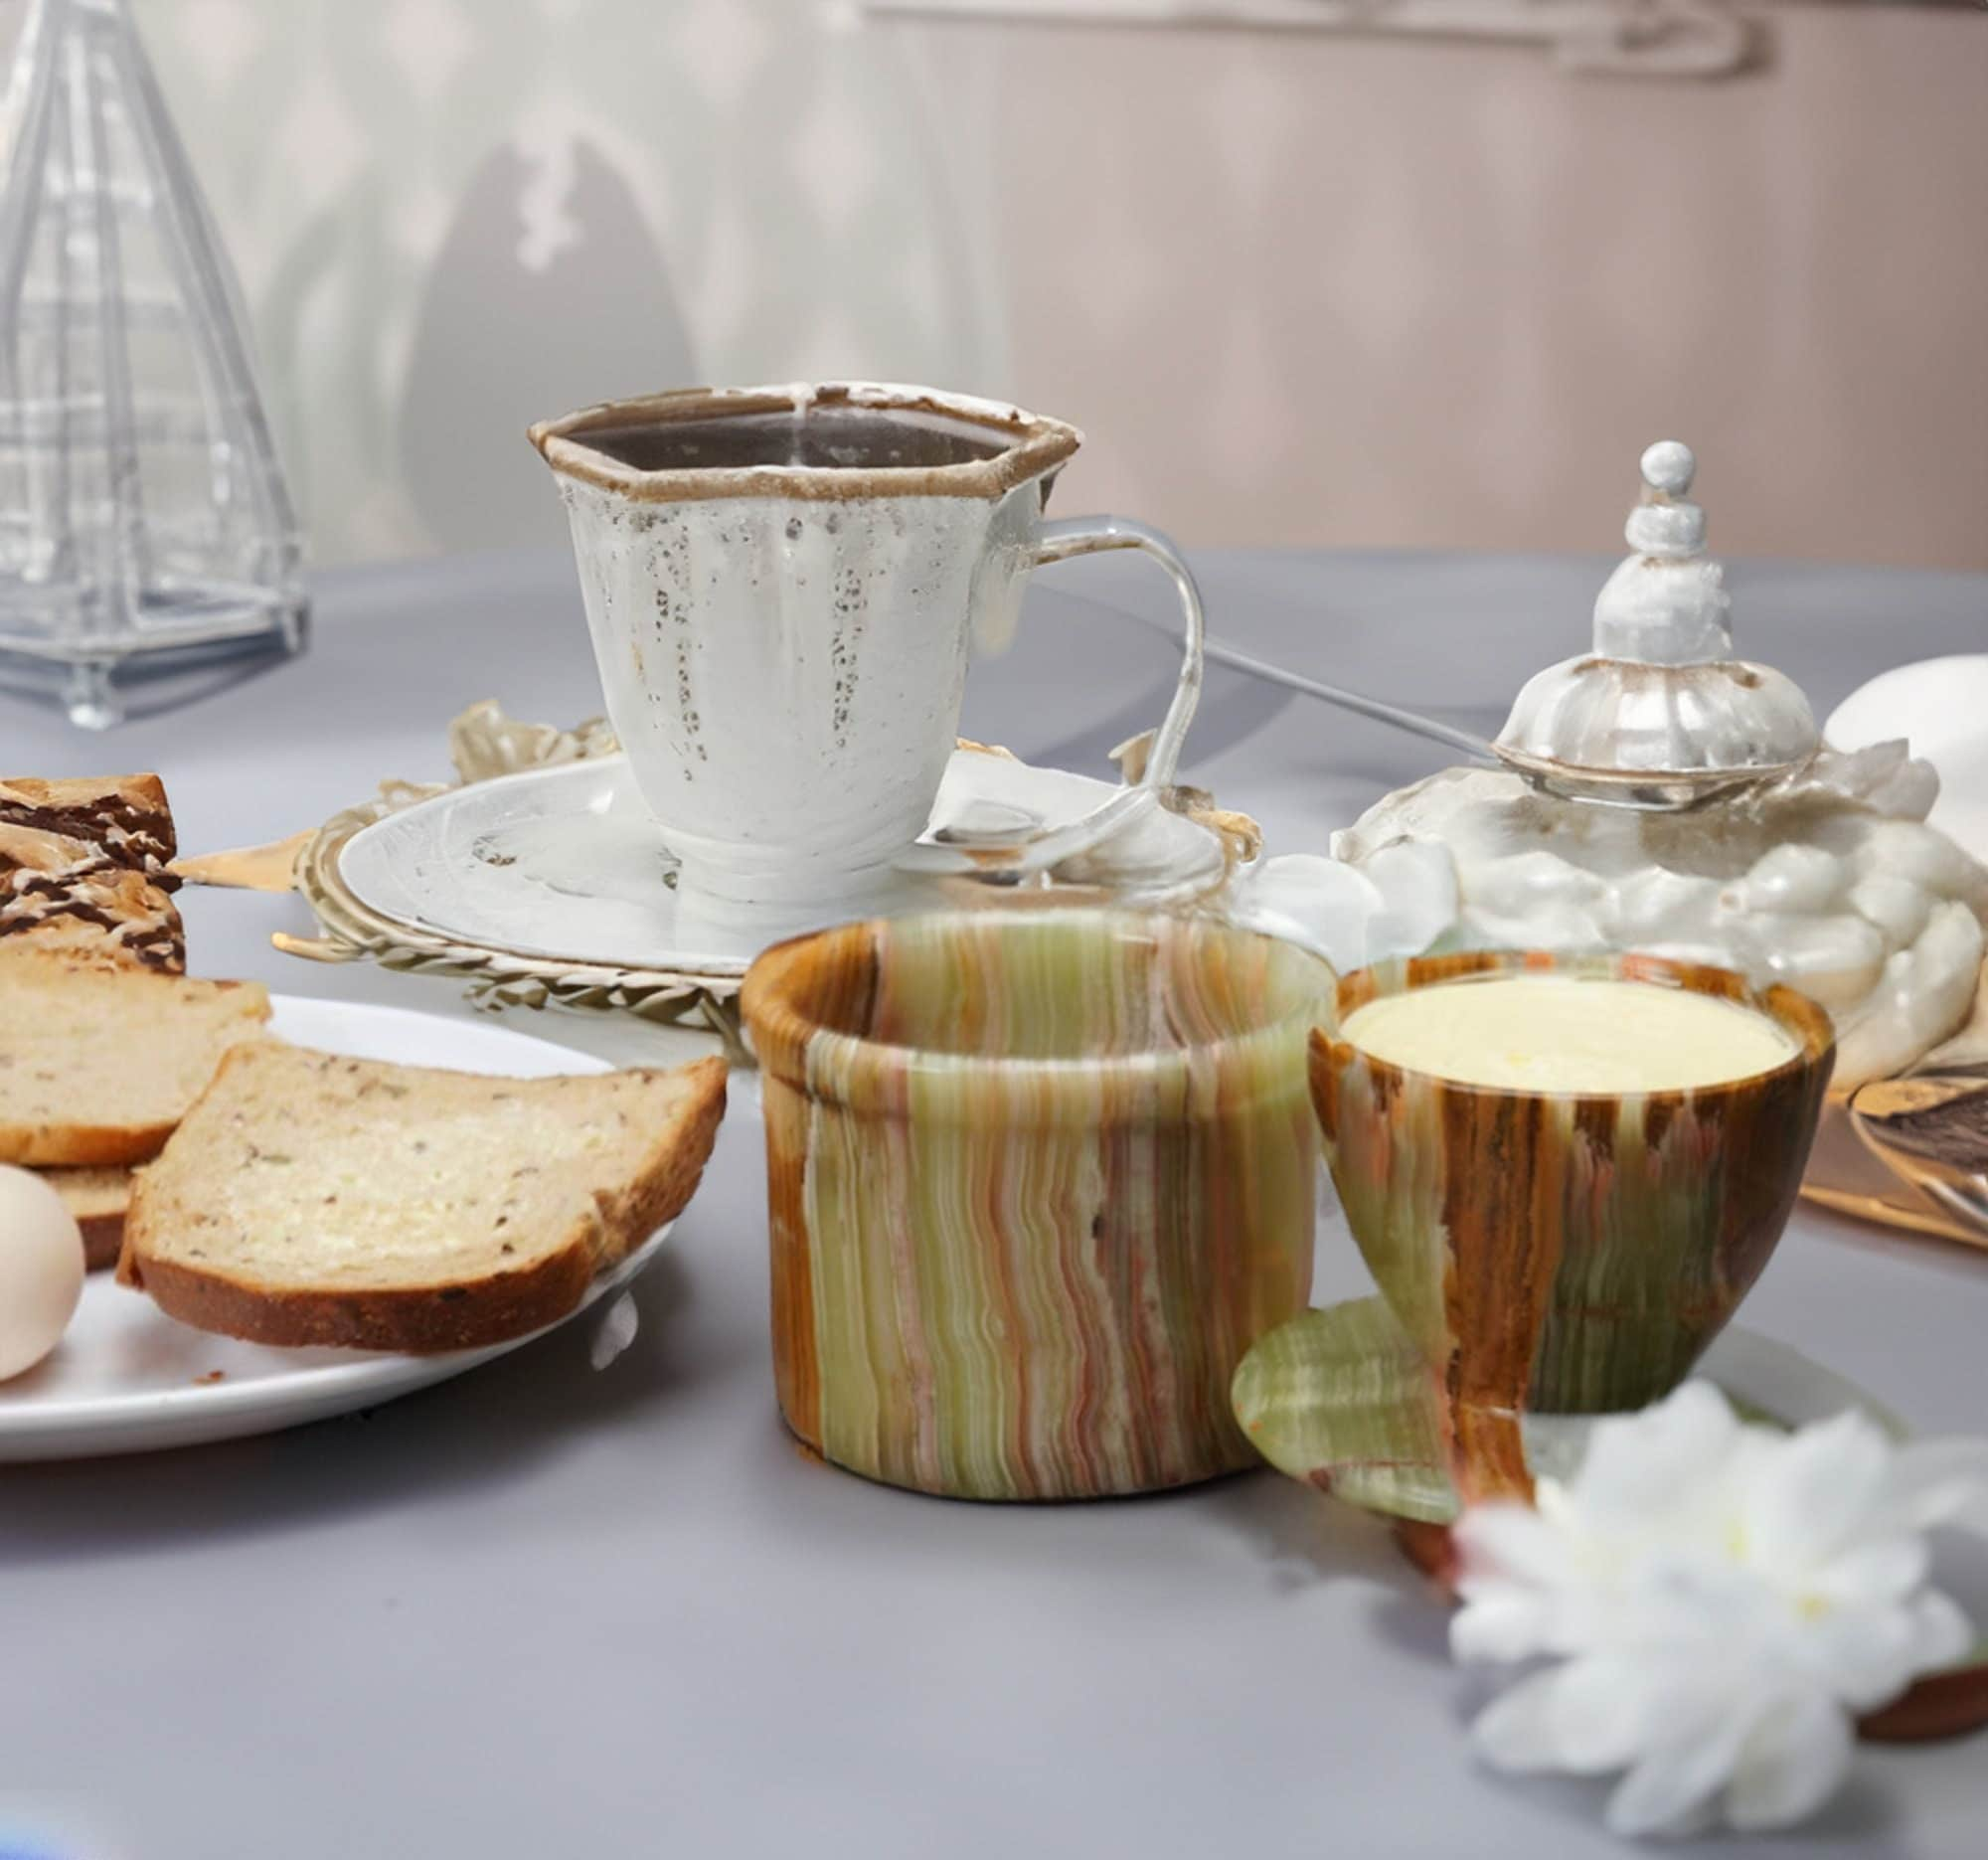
(147, 536)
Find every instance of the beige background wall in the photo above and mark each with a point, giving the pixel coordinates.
(1414, 293)
(1299, 291)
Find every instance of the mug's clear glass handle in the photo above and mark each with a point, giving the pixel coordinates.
(1090, 536)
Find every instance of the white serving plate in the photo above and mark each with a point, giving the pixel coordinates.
(128, 1379)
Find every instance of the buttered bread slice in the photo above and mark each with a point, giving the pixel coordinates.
(314, 1199)
(97, 1065)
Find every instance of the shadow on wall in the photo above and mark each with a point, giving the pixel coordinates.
(548, 278)
(452, 216)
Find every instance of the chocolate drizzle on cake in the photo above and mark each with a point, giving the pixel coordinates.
(83, 870)
(126, 816)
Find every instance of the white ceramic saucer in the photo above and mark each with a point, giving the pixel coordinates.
(128, 1379)
(566, 864)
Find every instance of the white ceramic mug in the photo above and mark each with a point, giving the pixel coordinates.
(782, 586)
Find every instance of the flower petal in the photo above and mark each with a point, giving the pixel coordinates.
(1793, 1763)
(1943, 1635)
(1512, 1541)
(1517, 1732)
(1502, 1621)
(1935, 1482)
(1672, 1784)
(1868, 1656)
(1699, 1819)
(1685, 1600)
(1582, 1719)
(1880, 1572)
(1637, 1463)
(1807, 1500)
(1610, 1710)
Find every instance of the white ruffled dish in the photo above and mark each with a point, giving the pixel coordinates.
(566, 864)
(1938, 703)
(1830, 882)
(128, 1379)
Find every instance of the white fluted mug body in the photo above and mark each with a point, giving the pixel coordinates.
(785, 676)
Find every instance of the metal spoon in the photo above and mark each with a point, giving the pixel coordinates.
(1644, 790)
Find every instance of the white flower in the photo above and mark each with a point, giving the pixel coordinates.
(1720, 1601)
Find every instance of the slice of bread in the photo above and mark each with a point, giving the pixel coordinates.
(98, 1199)
(97, 1065)
(314, 1199)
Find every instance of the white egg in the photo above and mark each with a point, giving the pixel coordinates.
(41, 1269)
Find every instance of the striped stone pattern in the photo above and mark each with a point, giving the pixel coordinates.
(1562, 1254)
(1037, 1182)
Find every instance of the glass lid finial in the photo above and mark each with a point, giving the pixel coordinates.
(1660, 712)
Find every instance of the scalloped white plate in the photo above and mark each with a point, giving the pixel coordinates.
(128, 1379)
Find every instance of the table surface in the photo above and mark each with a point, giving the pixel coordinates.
(549, 1609)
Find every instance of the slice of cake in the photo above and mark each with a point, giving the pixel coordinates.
(83, 871)
(312, 1199)
(97, 1065)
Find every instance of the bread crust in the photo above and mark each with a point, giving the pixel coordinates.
(425, 1320)
(416, 1320)
(102, 1226)
(102, 1241)
(75, 1147)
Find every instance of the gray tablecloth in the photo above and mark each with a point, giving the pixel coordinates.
(548, 1611)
